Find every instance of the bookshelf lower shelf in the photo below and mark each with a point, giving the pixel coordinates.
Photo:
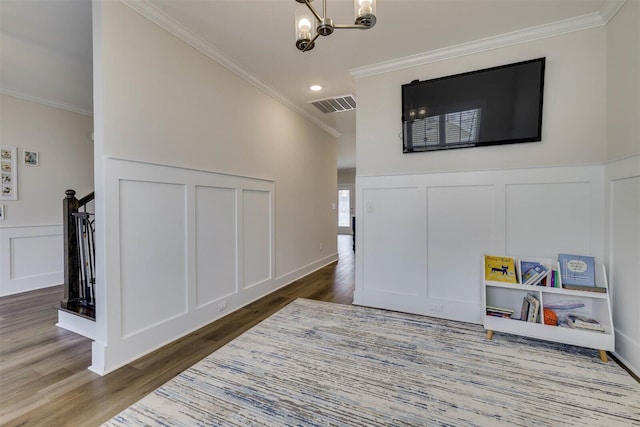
(595, 340)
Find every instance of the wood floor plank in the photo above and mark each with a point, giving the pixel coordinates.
(44, 380)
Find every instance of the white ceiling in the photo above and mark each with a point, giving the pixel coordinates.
(46, 44)
(46, 52)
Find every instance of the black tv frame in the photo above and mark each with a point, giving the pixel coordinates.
(409, 148)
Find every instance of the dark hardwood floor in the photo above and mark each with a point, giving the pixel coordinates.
(44, 380)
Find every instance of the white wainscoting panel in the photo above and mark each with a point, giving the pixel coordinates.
(421, 238)
(183, 248)
(460, 227)
(30, 258)
(152, 253)
(624, 253)
(216, 248)
(257, 237)
(547, 217)
(394, 219)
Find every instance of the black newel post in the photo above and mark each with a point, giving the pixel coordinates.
(71, 258)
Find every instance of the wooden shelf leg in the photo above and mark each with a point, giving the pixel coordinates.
(603, 356)
(490, 335)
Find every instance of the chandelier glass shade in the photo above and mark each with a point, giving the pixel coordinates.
(310, 24)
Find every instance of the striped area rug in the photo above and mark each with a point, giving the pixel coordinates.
(324, 364)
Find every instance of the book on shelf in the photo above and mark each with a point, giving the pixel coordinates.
(527, 265)
(524, 312)
(577, 269)
(554, 276)
(499, 309)
(534, 275)
(529, 270)
(499, 312)
(582, 322)
(553, 281)
(530, 308)
(536, 271)
(534, 308)
(500, 269)
(599, 289)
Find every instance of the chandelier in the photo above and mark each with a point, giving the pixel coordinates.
(310, 24)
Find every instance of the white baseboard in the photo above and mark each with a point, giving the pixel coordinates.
(291, 277)
(628, 352)
(253, 294)
(77, 324)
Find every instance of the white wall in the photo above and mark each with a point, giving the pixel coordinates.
(347, 177)
(623, 83)
(214, 192)
(347, 150)
(623, 178)
(31, 234)
(426, 219)
(574, 110)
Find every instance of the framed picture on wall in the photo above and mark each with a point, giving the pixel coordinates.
(8, 173)
(30, 158)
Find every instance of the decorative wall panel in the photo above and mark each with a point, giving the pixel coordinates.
(549, 218)
(216, 243)
(30, 258)
(257, 236)
(152, 253)
(460, 227)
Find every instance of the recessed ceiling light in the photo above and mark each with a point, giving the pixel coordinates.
(315, 88)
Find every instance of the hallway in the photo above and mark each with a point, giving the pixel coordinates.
(44, 378)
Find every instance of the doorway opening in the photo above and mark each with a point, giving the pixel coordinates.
(345, 209)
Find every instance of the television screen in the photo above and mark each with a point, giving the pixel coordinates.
(500, 105)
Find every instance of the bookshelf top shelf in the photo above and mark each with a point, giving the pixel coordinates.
(533, 288)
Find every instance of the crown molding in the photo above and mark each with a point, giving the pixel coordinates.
(482, 45)
(610, 8)
(155, 15)
(47, 102)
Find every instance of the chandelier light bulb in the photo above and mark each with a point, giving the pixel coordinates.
(365, 7)
(365, 11)
(304, 25)
(305, 28)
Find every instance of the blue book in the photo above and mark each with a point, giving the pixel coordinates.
(526, 266)
(577, 269)
(534, 275)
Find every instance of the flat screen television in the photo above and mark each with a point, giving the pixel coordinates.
(499, 105)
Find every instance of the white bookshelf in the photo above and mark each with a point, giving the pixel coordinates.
(596, 305)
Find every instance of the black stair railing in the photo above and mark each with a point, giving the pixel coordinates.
(79, 255)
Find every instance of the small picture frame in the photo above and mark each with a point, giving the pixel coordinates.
(30, 158)
(1, 212)
(8, 173)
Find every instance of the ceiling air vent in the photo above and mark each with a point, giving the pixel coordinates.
(335, 105)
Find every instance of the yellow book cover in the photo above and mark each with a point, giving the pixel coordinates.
(500, 269)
